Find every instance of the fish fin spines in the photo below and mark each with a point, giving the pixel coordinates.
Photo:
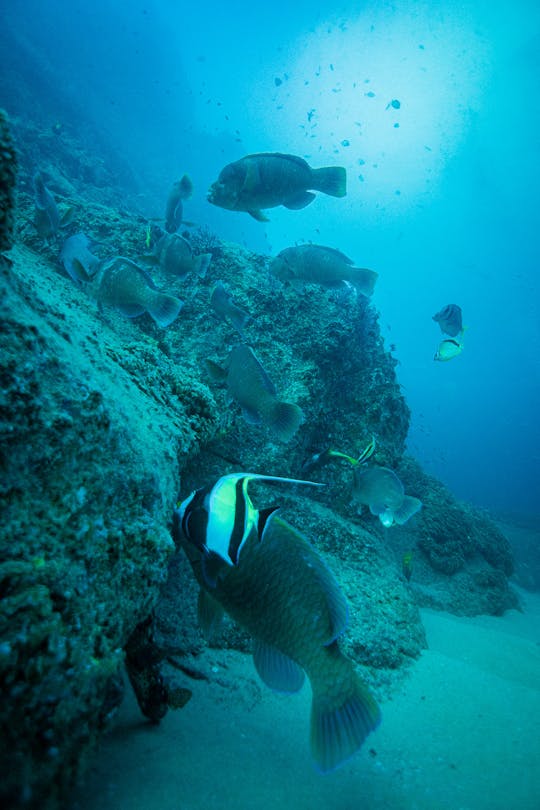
(330, 180)
(285, 418)
(210, 614)
(340, 725)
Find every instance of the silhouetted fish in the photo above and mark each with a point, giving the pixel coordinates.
(174, 210)
(450, 319)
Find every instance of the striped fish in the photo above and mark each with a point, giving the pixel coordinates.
(218, 519)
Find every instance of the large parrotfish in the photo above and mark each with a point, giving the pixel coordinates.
(268, 578)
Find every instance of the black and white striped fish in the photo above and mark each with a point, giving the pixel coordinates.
(218, 519)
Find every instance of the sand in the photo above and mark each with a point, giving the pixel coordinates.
(462, 733)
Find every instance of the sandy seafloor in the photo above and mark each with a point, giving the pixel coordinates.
(462, 733)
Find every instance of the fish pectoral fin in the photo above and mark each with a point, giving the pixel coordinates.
(276, 669)
(211, 567)
(408, 508)
(257, 214)
(209, 613)
(299, 200)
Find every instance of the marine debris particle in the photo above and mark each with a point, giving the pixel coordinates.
(371, 94)
(278, 81)
(395, 104)
(345, 142)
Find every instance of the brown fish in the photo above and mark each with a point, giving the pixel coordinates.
(248, 383)
(175, 255)
(269, 179)
(283, 594)
(223, 305)
(128, 289)
(317, 264)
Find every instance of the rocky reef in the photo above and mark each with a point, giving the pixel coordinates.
(104, 420)
(8, 177)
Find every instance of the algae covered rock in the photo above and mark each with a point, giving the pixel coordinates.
(91, 446)
(8, 176)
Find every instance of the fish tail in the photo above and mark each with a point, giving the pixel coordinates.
(363, 280)
(285, 418)
(164, 308)
(239, 318)
(342, 715)
(330, 180)
(202, 263)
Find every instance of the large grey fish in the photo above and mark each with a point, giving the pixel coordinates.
(269, 179)
(127, 288)
(275, 585)
(47, 218)
(78, 260)
(248, 383)
(381, 490)
(317, 264)
(223, 305)
(450, 319)
(175, 255)
(174, 210)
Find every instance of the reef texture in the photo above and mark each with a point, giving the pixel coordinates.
(8, 177)
(104, 420)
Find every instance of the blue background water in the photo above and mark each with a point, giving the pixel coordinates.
(443, 193)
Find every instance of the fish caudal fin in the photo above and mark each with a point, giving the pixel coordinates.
(284, 419)
(164, 309)
(202, 263)
(331, 180)
(239, 318)
(408, 508)
(340, 724)
(363, 280)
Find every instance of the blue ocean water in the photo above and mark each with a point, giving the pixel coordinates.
(443, 184)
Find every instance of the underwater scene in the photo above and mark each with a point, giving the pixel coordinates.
(270, 384)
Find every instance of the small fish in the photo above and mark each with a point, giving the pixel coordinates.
(174, 255)
(174, 210)
(381, 490)
(406, 565)
(79, 262)
(47, 215)
(316, 264)
(269, 179)
(321, 459)
(223, 305)
(284, 595)
(450, 319)
(128, 289)
(249, 385)
(448, 349)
